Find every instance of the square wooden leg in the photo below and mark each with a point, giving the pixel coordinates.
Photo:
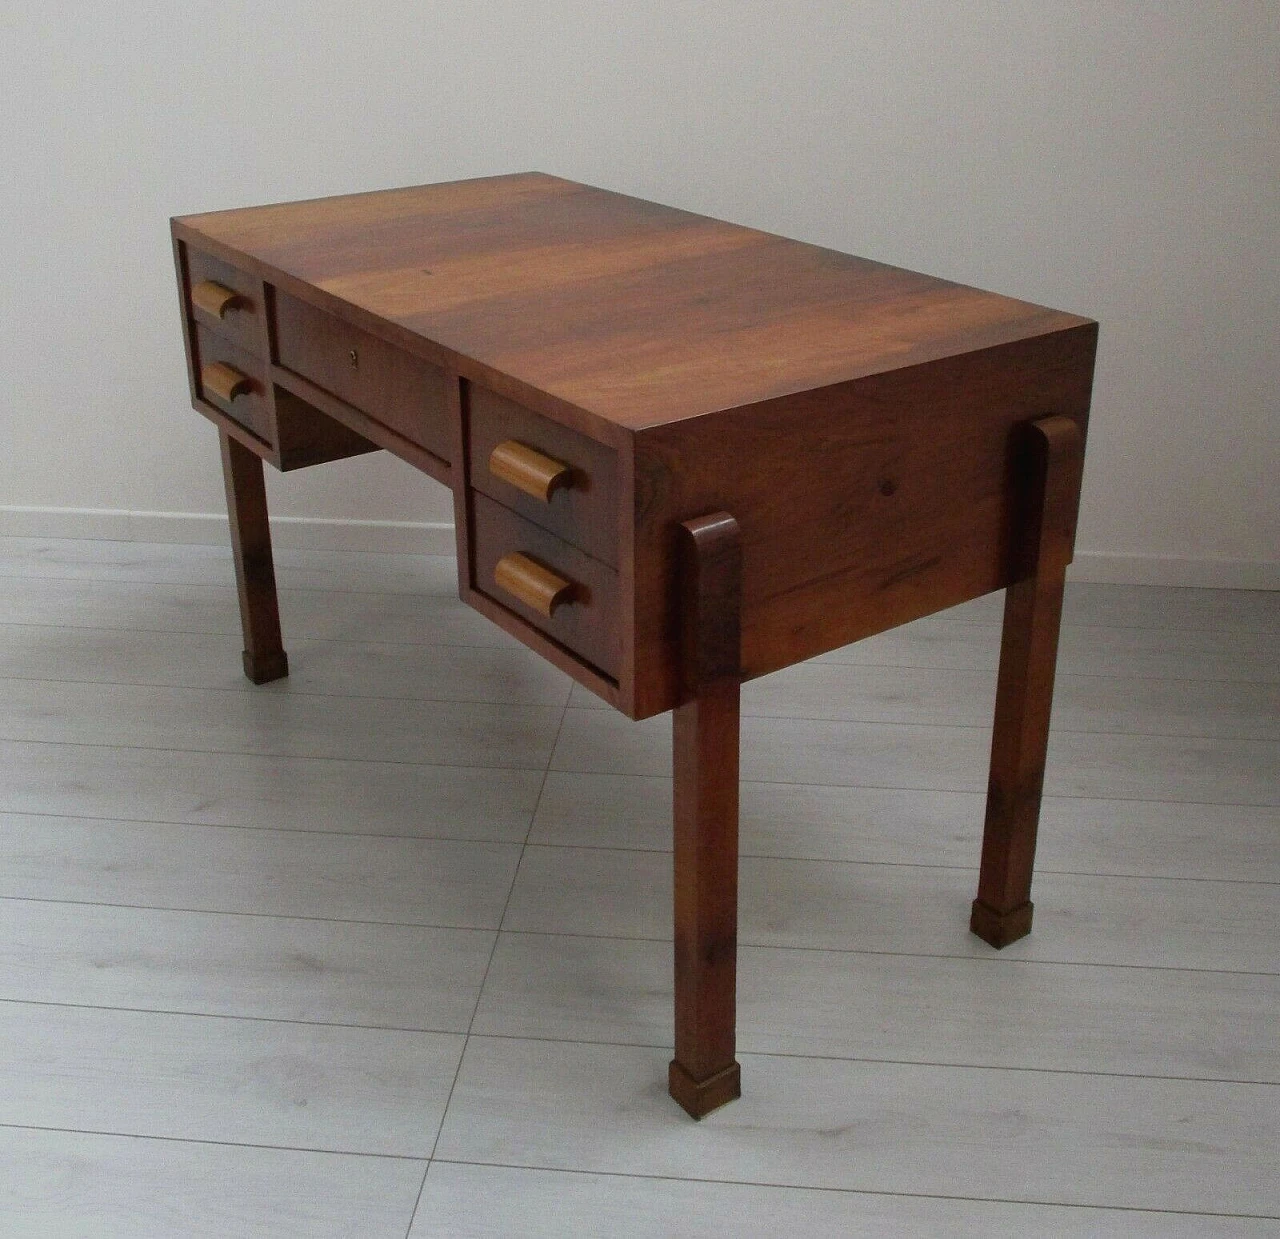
(1024, 693)
(264, 656)
(704, 1073)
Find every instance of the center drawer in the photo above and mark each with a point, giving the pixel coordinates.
(393, 387)
(550, 584)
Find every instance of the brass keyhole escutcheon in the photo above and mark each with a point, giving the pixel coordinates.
(354, 358)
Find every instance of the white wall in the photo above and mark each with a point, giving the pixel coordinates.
(1117, 158)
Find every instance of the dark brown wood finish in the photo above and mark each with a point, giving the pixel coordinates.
(242, 321)
(584, 510)
(458, 393)
(308, 436)
(862, 506)
(888, 444)
(633, 313)
(264, 656)
(251, 405)
(855, 417)
(1054, 455)
(400, 391)
(275, 425)
(704, 1073)
(364, 427)
(587, 625)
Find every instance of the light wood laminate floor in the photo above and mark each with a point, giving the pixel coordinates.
(382, 951)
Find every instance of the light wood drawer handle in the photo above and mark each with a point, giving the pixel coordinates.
(214, 298)
(225, 382)
(529, 470)
(531, 583)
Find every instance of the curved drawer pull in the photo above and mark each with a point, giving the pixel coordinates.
(529, 470)
(531, 583)
(224, 381)
(214, 298)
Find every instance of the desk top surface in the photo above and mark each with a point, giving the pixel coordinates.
(637, 313)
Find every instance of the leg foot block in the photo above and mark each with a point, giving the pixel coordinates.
(1001, 928)
(263, 668)
(699, 1098)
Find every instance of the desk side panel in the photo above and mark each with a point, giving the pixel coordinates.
(862, 506)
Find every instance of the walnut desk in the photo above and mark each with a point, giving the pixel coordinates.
(682, 453)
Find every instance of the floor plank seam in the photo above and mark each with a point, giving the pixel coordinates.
(228, 590)
(272, 916)
(992, 958)
(830, 787)
(232, 637)
(742, 941)
(225, 1144)
(797, 1056)
(856, 1191)
(887, 787)
(343, 643)
(444, 1113)
(279, 830)
(285, 694)
(612, 847)
(904, 864)
(227, 1015)
(282, 688)
(259, 753)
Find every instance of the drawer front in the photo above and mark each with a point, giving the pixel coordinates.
(234, 382)
(519, 564)
(226, 301)
(578, 501)
(395, 388)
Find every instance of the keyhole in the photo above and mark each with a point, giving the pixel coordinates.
(354, 358)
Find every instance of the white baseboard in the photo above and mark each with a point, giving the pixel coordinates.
(293, 532)
(436, 538)
(1206, 573)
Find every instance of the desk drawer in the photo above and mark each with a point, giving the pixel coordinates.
(534, 454)
(226, 301)
(234, 382)
(395, 388)
(530, 572)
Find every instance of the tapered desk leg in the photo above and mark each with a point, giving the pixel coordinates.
(1024, 690)
(264, 656)
(704, 1073)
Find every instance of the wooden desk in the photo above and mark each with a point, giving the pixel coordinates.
(682, 454)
